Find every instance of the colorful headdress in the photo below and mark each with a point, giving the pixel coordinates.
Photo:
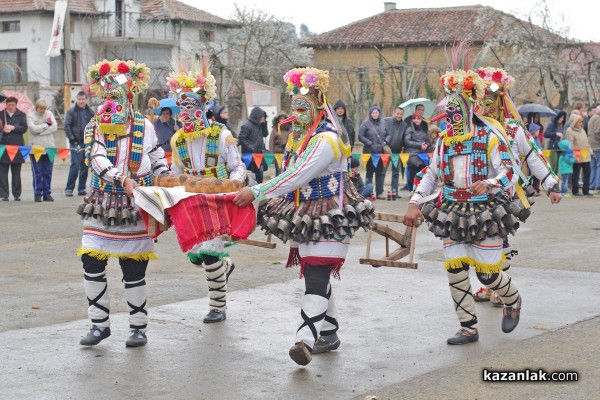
(498, 76)
(194, 79)
(469, 83)
(107, 74)
(496, 104)
(307, 81)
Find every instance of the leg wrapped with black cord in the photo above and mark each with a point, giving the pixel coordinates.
(464, 305)
(503, 285)
(134, 278)
(328, 339)
(216, 277)
(96, 290)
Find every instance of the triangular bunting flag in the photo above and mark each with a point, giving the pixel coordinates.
(365, 158)
(24, 151)
(51, 153)
(395, 157)
(356, 156)
(63, 152)
(584, 153)
(577, 154)
(169, 157)
(247, 159)
(430, 155)
(269, 157)
(385, 158)
(279, 158)
(546, 153)
(12, 152)
(375, 159)
(37, 152)
(424, 157)
(258, 157)
(2, 148)
(404, 158)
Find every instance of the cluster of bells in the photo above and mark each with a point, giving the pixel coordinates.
(116, 210)
(467, 222)
(302, 227)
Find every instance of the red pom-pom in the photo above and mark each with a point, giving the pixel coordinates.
(129, 96)
(203, 99)
(123, 68)
(104, 69)
(497, 76)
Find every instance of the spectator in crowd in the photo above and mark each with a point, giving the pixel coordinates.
(416, 142)
(534, 130)
(365, 191)
(279, 138)
(252, 136)
(42, 125)
(340, 109)
(565, 165)
(221, 115)
(396, 129)
(586, 120)
(579, 141)
(594, 139)
(535, 118)
(76, 119)
(554, 133)
(13, 125)
(434, 134)
(373, 135)
(165, 127)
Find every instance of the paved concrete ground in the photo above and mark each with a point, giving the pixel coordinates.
(394, 322)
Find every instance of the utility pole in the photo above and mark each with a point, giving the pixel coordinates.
(67, 37)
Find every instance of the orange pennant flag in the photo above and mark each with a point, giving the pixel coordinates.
(279, 159)
(257, 157)
(37, 152)
(63, 152)
(365, 158)
(430, 155)
(385, 158)
(576, 153)
(12, 151)
(404, 158)
(169, 157)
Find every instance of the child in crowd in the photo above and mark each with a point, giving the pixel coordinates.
(365, 191)
(565, 165)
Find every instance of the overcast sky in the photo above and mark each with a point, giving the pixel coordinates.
(325, 15)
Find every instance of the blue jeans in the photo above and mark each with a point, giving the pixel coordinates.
(379, 173)
(564, 184)
(395, 175)
(595, 173)
(367, 190)
(77, 169)
(42, 175)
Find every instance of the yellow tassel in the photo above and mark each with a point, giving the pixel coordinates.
(449, 140)
(457, 263)
(231, 140)
(105, 255)
(113, 129)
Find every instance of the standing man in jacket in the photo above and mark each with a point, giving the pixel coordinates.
(340, 110)
(373, 134)
(76, 119)
(396, 129)
(13, 125)
(252, 136)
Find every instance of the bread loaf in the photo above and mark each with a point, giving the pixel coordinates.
(198, 184)
(171, 180)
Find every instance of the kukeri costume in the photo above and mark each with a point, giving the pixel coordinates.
(471, 226)
(314, 204)
(120, 144)
(207, 149)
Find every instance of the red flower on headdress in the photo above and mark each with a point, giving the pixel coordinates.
(497, 76)
(123, 68)
(468, 83)
(481, 73)
(104, 69)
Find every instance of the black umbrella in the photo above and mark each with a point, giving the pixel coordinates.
(2, 97)
(536, 108)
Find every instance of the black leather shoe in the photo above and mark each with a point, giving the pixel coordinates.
(300, 353)
(214, 316)
(137, 338)
(82, 193)
(17, 198)
(48, 198)
(5, 199)
(94, 336)
(326, 343)
(38, 199)
(464, 336)
(510, 318)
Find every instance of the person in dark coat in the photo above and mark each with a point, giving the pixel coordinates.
(340, 109)
(13, 125)
(252, 136)
(555, 132)
(416, 142)
(396, 129)
(373, 134)
(76, 119)
(165, 127)
(221, 115)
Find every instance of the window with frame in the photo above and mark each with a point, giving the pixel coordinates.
(57, 68)
(13, 66)
(11, 26)
(207, 35)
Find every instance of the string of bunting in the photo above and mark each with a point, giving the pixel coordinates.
(35, 151)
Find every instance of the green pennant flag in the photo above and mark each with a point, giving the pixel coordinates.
(51, 152)
(395, 158)
(269, 157)
(2, 148)
(356, 156)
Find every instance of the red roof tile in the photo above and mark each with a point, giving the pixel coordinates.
(76, 6)
(420, 26)
(173, 9)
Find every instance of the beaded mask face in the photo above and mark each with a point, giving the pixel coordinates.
(190, 106)
(304, 108)
(116, 107)
(459, 115)
(489, 105)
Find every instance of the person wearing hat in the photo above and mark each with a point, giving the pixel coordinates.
(122, 152)
(13, 125)
(314, 204)
(165, 128)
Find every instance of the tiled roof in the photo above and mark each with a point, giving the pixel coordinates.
(76, 6)
(173, 9)
(401, 27)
